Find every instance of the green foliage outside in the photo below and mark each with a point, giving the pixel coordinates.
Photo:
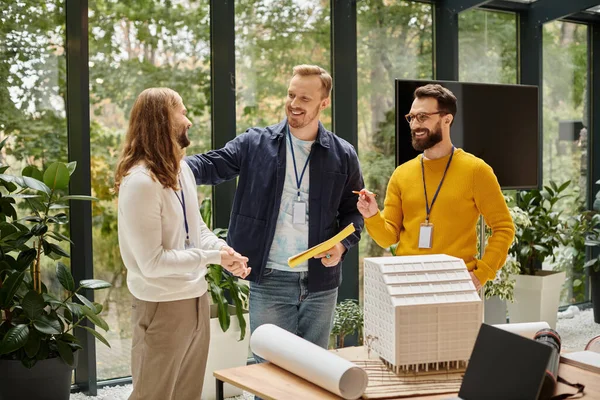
(138, 44)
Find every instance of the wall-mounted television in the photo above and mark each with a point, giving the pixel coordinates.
(497, 123)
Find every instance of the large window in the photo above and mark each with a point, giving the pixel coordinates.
(134, 46)
(565, 142)
(270, 39)
(487, 47)
(394, 40)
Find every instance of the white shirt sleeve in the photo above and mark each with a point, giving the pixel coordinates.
(140, 210)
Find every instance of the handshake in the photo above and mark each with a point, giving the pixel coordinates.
(234, 262)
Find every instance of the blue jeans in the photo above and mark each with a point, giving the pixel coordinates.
(282, 299)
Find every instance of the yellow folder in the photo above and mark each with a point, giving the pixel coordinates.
(326, 245)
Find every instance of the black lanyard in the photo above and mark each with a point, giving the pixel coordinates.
(298, 180)
(182, 202)
(427, 206)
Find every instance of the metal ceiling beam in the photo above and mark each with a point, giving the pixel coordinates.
(462, 5)
(543, 11)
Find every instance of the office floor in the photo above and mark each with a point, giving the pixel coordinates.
(575, 333)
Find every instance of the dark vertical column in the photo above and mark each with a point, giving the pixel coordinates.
(445, 39)
(78, 125)
(530, 69)
(222, 68)
(345, 112)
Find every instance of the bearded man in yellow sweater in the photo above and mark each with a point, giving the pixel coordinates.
(434, 200)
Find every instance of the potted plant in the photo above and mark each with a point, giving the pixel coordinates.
(38, 350)
(348, 320)
(593, 243)
(229, 341)
(499, 291)
(537, 291)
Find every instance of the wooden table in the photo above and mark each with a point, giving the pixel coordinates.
(273, 383)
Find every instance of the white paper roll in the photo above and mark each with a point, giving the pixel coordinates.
(526, 329)
(309, 361)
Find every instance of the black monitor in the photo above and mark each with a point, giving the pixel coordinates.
(497, 123)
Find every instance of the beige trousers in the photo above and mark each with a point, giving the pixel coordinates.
(169, 348)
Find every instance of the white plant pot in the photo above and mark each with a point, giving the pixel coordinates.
(537, 297)
(225, 351)
(494, 311)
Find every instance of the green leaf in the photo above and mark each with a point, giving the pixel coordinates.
(25, 258)
(86, 302)
(577, 282)
(47, 325)
(71, 167)
(59, 236)
(33, 305)
(23, 196)
(57, 176)
(64, 276)
(67, 337)
(65, 352)
(33, 344)
(32, 172)
(57, 250)
(51, 300)
(10, 287)
(78, 197)
(590, 263)
(222, 306)
(94, 284)
(3, 142)
(35, 185)
(75, 310)
(97, 335)
(95, 319)
(15, 338)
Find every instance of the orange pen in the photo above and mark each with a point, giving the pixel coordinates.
(356, 192)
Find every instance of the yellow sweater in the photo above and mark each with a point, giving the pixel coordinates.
(469, 189)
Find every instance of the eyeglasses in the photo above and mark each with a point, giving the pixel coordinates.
(421, 117)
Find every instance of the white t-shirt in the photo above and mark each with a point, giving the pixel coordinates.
(152, 238)
(291, 238)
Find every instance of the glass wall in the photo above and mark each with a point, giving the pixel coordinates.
(487, 50)
(565, 141)
(394, 40)
(33, 97)
(134, 46)
(269, 41)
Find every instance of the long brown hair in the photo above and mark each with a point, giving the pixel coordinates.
(151, 138)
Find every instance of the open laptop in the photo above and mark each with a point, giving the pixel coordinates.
(504, 366)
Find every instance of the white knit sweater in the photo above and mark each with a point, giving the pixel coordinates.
(152, 238)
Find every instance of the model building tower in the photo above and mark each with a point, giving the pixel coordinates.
(421, 312)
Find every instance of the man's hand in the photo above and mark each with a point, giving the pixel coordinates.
(367, 205)
(234, 262)
(475, 281)
(333, 256)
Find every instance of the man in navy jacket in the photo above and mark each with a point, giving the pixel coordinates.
(294, 191)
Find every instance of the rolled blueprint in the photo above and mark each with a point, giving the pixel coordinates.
(526, 329)
(309, 361)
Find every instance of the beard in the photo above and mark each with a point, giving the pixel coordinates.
(302, 120)
(182, 138)
(430, 139)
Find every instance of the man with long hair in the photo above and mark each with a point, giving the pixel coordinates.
(166, 247)
(294, 191)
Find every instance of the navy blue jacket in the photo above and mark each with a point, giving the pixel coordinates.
(258, 157)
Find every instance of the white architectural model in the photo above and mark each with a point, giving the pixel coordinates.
(420, 311)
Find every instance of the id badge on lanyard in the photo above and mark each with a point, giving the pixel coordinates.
(187, 244)
(426, 228)
(299, 207)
